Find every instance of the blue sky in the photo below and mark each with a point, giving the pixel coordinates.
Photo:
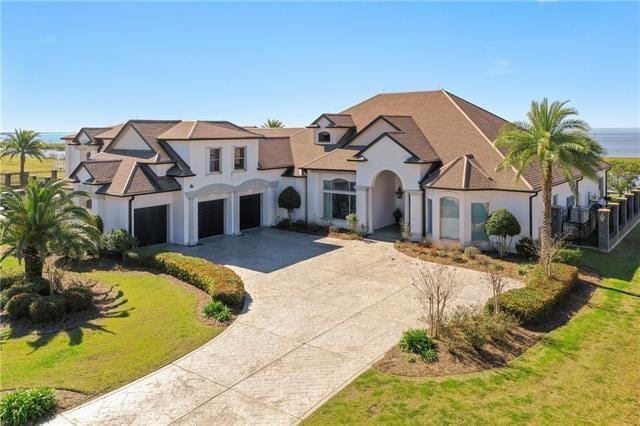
(65, 65)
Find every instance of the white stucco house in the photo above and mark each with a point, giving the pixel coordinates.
(429, 154)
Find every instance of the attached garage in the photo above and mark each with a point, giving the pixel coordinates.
(250, 211)
(150, 225)
(210, 218)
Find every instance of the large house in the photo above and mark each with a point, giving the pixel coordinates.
(428, 154)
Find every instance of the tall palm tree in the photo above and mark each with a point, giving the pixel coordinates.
(23, 143)
(553, 139)
(44, 221)
(273, 123)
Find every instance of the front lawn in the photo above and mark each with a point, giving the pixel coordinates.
(152, 322)
(32, 165)
(583, 372)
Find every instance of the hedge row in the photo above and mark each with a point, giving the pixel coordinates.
(10, 276)
(535, 301)
(219, 281)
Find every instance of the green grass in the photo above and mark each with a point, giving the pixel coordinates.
(32, 165)
(152, 323)
(585, 372)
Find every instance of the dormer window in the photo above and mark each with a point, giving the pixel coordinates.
(324, 137)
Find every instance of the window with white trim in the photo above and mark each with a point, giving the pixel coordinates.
(324, 137)
(240, 158)
(339, 198)
(214, 160)
(479, 215)
(449, 218)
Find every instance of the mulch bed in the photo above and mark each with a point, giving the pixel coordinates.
(490, 356)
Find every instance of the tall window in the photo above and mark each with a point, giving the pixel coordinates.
(449, 218)
(429, 216)
(324, 137)
(239, 158)
(214, 160)
(339, 198)
(479, 215)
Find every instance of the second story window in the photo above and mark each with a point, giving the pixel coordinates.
(214, 160)
(324, 137)
(240, 158)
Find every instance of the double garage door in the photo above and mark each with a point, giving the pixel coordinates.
(211, 215)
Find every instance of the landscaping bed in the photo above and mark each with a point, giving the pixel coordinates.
(303, 227)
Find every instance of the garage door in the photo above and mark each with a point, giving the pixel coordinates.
(249, 211)
(210, 218)
(150, 225)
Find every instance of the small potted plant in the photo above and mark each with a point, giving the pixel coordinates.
(397, 215)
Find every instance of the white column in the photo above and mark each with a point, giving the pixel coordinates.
(363, 206)
(192, 218)
(235, 213)
(270, 205)
(407, 208)
(415, 211)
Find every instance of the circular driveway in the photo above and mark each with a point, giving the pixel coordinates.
(319, 312)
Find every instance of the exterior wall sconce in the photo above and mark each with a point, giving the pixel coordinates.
(399, 193)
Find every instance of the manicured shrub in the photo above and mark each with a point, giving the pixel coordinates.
(119, 241)
(526, 248)
(469, 328)
(10, 276)
(47, 308)
(18, 306)
(502, 225)
(457, 257)
(77, 298)
(217, 310)
(39, 286)
(23, 407)
(289, 199)
(284, 224)
(568, 256)
(219, 281)
(471, 252)
(417, 341)
(535, 301)
(455, 248)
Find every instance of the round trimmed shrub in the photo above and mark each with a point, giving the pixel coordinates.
(77, 298)
(23, 407)
(47, 308)
(40, 286)
(11, 276)
(471, 252)
(503, 225)
(18, 306)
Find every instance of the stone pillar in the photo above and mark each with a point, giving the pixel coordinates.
(613, 207)
(556, 219)
(7, 180)
(416, 220)
(54, 174)
(604, 216)
(622, 211)
(636, 200)
(407, 209)
(631, 205)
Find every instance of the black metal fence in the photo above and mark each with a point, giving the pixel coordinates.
(580, 225)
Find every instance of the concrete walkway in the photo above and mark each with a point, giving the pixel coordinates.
(319, 313)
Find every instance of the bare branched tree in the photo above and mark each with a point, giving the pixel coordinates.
(494, 278)
(557, 242)
(436, 286)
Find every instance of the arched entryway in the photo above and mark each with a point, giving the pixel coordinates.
(387, 196)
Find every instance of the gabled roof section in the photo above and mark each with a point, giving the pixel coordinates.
(462, 173)
(194, 130)
(148, 130)
(336, 160)
(101, 172)
(336, 120)
(110, 133)
(274, 153)
(90, 132)
(144, 181)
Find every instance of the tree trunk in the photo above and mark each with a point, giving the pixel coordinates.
(32, 264)
(22, 161)
(545, 231)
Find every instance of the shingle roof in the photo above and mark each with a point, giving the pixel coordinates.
(274, 153)
(198, 129)
(462, 173)
(337, 120)
(336, 159)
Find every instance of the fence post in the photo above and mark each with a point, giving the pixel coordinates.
(24, 177)
(604, 216)
(7, 180)
(54, 174)
(613, 207)
(623, 211)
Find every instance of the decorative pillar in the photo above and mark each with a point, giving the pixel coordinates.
(407, 209)
(636, 200)
(615, 221)
(556, 219)
(235, 213)
(415, 208)
(363, 207)
(630, 205)
(192, 217)
(622, 211)
(604, 216)
(271, 203)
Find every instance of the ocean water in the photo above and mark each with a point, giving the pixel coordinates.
(617, 142)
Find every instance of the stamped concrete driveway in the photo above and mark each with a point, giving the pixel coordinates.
(320, 311)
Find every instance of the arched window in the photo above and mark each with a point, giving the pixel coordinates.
(449, 218)
(324, 137)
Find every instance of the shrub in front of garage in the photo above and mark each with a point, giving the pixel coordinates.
(220, 282)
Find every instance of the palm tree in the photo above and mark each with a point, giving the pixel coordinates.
(273, 123)
(552, 139)
(23, 143)
(44, 221)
